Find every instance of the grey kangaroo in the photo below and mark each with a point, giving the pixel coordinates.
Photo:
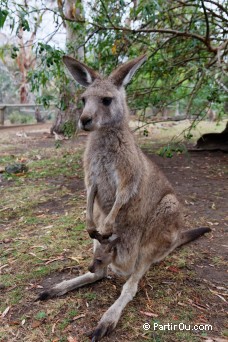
(127, 194)
(214, 141)
(104, 254)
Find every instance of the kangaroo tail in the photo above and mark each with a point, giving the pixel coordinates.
(193, 234)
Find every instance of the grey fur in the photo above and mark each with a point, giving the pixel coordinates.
(126, 192)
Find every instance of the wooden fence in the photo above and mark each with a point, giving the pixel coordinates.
(4, 106)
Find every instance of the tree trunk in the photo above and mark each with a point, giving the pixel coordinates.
(66, 121)
(25, 60)
(69, 116)
(38, 116)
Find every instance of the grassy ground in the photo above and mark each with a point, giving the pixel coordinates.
(43, 241)
(161, 132)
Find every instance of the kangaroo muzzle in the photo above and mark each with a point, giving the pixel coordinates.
(86, 123)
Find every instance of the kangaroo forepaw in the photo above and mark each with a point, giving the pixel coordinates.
(94, 234)
(102, 238)
(106, 236)
(44, 296)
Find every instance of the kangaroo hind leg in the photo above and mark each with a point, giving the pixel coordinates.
(111, 317)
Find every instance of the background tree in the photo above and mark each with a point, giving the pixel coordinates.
(186, 43)
(7, 85)
(68, 113)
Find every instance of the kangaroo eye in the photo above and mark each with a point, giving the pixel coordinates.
(106, 101)
(99, 261)
(83, 100)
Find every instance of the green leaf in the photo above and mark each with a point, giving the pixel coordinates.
(25, 25)
(3, 16)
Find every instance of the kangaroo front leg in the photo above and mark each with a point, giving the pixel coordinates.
(69, 285)
(111, 317)
(123, 195)
(91, 194)
(91, 227)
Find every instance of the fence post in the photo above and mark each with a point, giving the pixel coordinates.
(2, 115)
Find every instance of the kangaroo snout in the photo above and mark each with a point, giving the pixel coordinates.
(86, 122)
(91, 268)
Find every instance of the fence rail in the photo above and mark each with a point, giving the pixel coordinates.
(4, 106)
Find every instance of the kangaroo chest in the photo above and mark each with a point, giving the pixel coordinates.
(102, 172)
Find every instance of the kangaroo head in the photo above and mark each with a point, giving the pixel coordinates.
(104, 98)
(103, 255)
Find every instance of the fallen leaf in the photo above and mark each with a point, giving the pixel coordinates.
(36, 324)
(181, 304)
(48, 227)
(53, 328)
(76, 258)
(3, 266)
(7, 240)
(14, 323)
(22, 160)
(58, 136)
(77, 317)
(218, 295)
(20, 174)
(149, 314)
(173, 269)
(42, 247)
(198, 306)
(5, 312)
(55, 259)
(21, 134)
(213, 223)
(71, 339)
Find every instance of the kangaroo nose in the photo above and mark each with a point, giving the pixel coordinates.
(91, 268)
(86, 122)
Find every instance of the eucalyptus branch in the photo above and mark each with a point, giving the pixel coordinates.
(51, 35)
(216, 3)
(216, 15)
(164, 31)
(88, 38)
(222, 85)
(207, 37)
(106, 12)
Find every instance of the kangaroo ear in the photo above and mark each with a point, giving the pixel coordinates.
(81, 72)
(124, 73)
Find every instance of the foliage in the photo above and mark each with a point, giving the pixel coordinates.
(186, 44)
(17, 118)
(69, 129)
(3, 16)
(170, 149)
(49, 68)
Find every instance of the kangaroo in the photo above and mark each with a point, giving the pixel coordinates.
(106, 251)
(214, 141)
(127, 194)
(104, 254)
